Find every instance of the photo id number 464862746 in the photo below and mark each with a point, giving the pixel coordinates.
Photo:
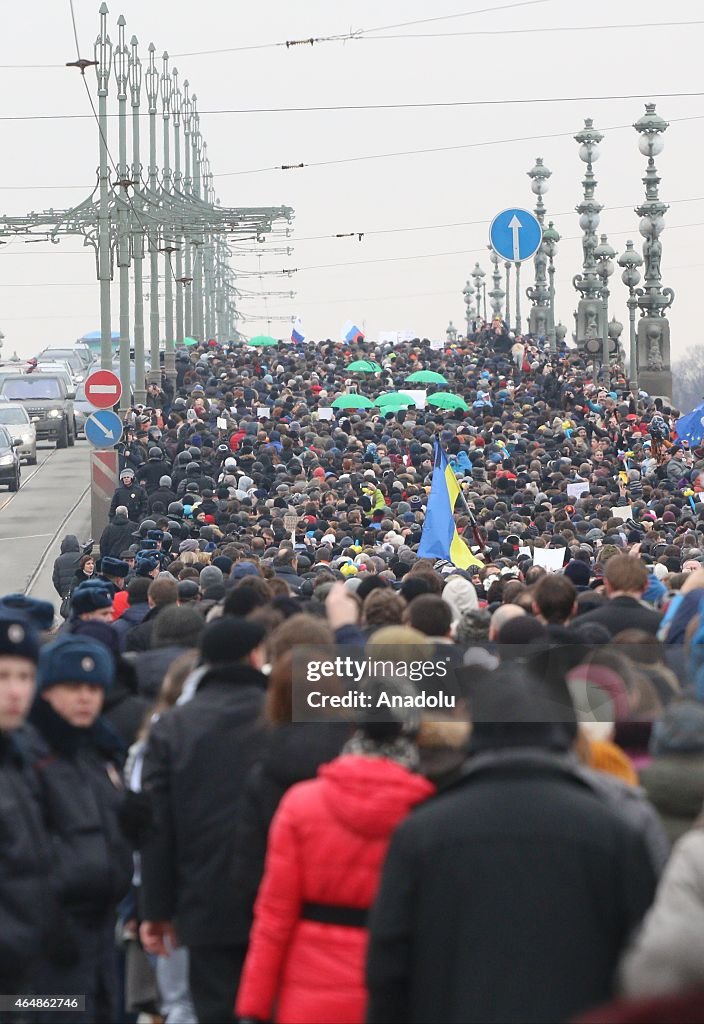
(36, 1003)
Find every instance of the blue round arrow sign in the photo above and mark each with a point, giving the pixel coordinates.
(103, 428)
(515, 235)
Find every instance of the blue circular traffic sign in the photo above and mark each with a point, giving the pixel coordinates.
(515, 235)
(103, 428)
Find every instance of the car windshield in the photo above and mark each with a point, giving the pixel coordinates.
(14, 415)
(65, 355)
(5, 441)
(31, 387)
(80, 393)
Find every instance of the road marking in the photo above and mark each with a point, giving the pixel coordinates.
(30, 536)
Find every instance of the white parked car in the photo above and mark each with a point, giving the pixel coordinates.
(15, 419)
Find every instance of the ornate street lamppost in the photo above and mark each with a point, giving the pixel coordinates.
(605, 254)
(468, 293)
(538, 321)
(590, 331)
(631, 261)
(497, 294)
(121, 69)
(135, 77)
(653, 328)
(167, 246)
(103, 57)
(550, 240)
(478, 276)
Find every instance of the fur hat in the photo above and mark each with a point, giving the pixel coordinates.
(75, 659)
(18, 638)
(90, 596)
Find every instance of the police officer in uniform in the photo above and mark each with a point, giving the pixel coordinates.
(77, 761)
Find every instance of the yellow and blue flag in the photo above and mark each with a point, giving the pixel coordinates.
(440, 538)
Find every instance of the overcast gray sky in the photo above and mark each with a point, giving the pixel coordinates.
(49, 293)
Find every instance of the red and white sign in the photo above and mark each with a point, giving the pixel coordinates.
(103, 389)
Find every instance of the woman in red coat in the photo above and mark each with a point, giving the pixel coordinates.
(326, 847)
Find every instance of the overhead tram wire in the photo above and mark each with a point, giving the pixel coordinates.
(369, 34)
(355, 107)
(380, 156)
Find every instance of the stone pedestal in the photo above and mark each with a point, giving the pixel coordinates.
(654, 373)
(589, 324)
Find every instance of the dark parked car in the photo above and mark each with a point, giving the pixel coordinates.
(9, 461)
(48, 402)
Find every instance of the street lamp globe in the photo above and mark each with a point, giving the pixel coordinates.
(539, 176)
(651, 128)
(630, 260)
(588, 153)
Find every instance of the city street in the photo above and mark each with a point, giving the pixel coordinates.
(51, 502)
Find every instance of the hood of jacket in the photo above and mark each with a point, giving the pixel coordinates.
(371, 795)
(69, 544)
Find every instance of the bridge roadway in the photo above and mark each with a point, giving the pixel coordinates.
(53, 500)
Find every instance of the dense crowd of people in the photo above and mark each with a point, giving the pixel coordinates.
(185, 835)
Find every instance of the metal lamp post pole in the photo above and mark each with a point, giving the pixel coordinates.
(135, 76)
(103, 56)
(188, 188)
(152, 86)
(468, 293)
(120, 62)
(550, 240)
(604, 254)
(539, 293)
(518, 297)
(178, 182)
(497, 293)
(507, 268)
(196, 142)
(167, 88)
(478, 276)
(630, 261)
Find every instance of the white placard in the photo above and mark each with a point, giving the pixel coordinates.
(437, 345)
(524, 551)
(221, 423)
(420, 397)
(326, 414)
(263, 412)
(551, 559)
(577, 490)
(622, 513)
(387, 338)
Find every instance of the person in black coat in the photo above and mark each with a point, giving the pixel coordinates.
(626, 579)
(511, 896)
(294, 752)
(130, 495)
(24, 848)
(164, 493)
(76, 761)
(117, 535)
(149, 475)
(197, 758)
(66, 565)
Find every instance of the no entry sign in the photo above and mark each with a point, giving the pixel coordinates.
(103, 389)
